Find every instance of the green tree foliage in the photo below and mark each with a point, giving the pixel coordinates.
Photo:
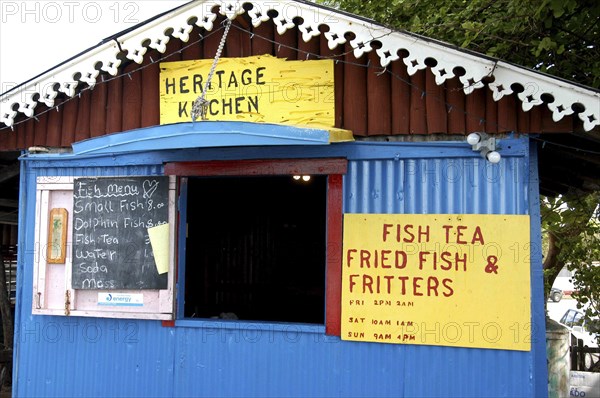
(560, 37)
(573, 228)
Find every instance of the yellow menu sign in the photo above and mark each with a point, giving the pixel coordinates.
(437, 279)
(253, 89)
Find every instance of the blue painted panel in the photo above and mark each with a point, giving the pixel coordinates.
(63, 356)
(511, 147)
(448, 185)
(538, 305)
(59, 356)
(202, 134)
(423, 186)
(236, 359)
(73, 356)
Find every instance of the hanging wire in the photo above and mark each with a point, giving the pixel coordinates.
(200, 106)
(544, 142)
(369, 66)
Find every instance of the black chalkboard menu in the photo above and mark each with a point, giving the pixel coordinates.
(111, 244)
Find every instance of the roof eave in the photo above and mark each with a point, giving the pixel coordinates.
(135, 43)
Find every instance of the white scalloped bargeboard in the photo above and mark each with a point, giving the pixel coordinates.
(564, 96)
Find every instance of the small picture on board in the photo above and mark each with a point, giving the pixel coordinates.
(57, 236)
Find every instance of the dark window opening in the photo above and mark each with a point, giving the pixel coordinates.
(256, 248)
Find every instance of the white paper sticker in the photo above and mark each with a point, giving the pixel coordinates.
(121, 299)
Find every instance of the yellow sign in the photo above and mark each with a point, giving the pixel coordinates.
(437, 279)
(253, 89)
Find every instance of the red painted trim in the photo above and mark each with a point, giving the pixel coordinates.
(258, 167)
(334, 168)
(168, 324)
(333, 298)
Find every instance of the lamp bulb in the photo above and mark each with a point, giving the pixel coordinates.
(473, 138)
(493, 157)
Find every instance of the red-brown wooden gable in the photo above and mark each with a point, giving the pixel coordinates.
(368, 102)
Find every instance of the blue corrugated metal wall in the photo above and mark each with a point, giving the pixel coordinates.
(432, 186)
(450, 185)
(70, 356)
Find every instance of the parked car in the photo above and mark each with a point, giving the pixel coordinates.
(555, 295)
(564, 281)
(587, 331)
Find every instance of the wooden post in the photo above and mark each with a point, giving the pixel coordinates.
(580, 355)
(573, 348)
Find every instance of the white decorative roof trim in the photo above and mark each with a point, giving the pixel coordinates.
(156, 34)
(45, 88)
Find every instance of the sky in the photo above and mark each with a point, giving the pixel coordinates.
(37, 35)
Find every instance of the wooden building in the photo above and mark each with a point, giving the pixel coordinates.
(327, 230)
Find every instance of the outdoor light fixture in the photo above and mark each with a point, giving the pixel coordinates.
(303, 178)
(486, 146)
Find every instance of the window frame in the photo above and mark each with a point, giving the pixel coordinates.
(333, 168)
(55, 279)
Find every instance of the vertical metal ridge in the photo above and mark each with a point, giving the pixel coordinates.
(420, 186)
